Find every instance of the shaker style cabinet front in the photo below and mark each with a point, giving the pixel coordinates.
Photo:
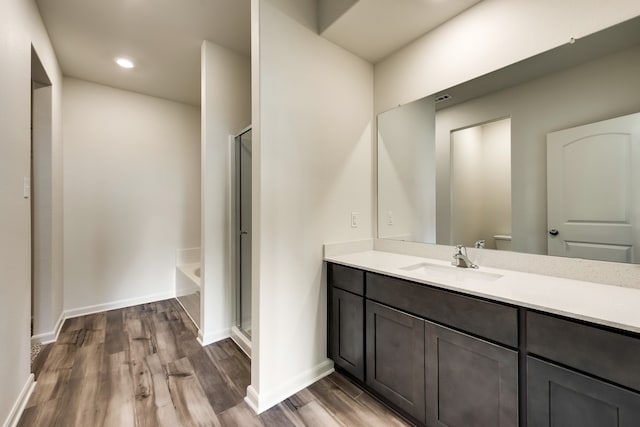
(347, 339)
(470, 382)
(434, 355)
(561, 397)
(395, 358)
(598, 383)
(446, 359)
(346, 318)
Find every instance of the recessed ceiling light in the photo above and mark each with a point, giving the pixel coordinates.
(124, 63)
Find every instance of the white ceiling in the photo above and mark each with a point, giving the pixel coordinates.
(373, 29)
(163, 37)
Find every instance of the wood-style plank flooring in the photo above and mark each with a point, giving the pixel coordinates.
(142, 366)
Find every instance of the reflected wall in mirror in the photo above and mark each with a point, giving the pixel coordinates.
(407, 172)
(429, 192)
(481, 160)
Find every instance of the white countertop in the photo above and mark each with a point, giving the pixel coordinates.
(608, 305)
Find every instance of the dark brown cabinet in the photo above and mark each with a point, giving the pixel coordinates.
(347, 338)
(446, 359)
(470, 382)
(490, 320)
(598, 382)
(391, 335)
(561, 397)
(395, 358)
(346, 278)
(606, 354)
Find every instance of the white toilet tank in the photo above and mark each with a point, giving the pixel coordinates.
(503, 242)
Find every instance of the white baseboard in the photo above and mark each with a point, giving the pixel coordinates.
(49, 337)
(210, 338)
(252, 399)
(241, 340)
(21, 402)
(260, 402)
(91, 309)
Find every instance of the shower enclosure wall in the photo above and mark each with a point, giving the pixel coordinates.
(243, 233)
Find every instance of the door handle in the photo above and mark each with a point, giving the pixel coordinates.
(554, 232)
(243, 233)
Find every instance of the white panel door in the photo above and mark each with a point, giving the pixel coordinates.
(593, 190)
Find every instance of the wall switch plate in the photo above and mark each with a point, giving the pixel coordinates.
(355, 219)
(390, 218)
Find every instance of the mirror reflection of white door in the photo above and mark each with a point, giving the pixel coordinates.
(593, 190)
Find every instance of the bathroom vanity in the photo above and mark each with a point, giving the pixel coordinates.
(446, 347)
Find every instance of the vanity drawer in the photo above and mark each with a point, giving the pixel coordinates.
(489, 320)
(346, 278)
(603, 353)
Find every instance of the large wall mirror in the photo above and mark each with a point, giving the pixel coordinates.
(540, 157)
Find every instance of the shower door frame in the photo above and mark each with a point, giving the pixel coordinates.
(239, 233)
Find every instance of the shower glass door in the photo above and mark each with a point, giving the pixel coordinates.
(243, 229)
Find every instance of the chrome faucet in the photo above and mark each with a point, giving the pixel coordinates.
(460, 258)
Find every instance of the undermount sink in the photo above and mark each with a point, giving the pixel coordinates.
(452, 273)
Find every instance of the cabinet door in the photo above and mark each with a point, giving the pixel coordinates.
(347, 332)
(470, 382)
(395, 358)
(561, 397)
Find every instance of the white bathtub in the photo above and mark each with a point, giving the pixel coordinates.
(188, 290)
(188, 283)
(187, 279)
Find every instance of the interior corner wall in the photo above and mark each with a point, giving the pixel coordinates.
(131, 195)
(488, 36)
(226, 110)
(20, 28)
(312, 169)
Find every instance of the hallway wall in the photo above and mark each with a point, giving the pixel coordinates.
(20, 28)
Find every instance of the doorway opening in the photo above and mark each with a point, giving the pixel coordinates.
(39, 188)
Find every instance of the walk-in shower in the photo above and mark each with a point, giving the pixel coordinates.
(242, 229)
